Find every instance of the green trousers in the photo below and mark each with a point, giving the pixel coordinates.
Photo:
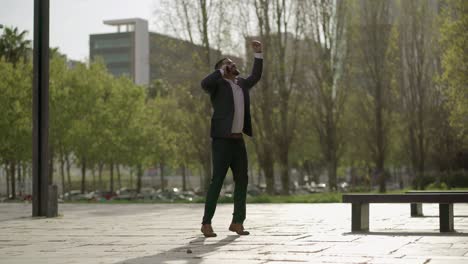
(228, 153)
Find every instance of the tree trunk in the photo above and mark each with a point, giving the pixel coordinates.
(353, 176)
(251, 174)
(207, 174)
(301, 176)
(139, 175)
(312, 172)
(83, 176)
(119, 180)
(20, 180)
(421, 145)
(51, 166)
(204, 30)
(284, 170)
(400, 178)
(100, 168)
(93, 173)
(202, 179)
(331, 169)
(184, 178)
(13, 179)
(111, 177)
(62, 173)
(67, 161)
(7, 174)
(380, 166)
(380, 157)
(131, 178)
(285, 127)
(25, 176)
(269, 174)
(161, 174)
(259, 174)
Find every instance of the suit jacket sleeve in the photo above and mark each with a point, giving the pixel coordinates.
(209, 83)
(256, 73)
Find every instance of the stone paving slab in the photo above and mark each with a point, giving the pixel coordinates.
(280, 233)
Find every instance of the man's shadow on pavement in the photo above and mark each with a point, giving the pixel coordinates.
(192, 252)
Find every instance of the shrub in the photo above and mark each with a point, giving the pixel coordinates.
(437, 186)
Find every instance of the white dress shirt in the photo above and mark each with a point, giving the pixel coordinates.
(238, 120)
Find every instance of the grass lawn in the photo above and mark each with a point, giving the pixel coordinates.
(324, 197)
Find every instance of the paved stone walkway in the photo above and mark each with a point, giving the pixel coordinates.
(280, 233)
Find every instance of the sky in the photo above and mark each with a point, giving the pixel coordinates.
(72, 21)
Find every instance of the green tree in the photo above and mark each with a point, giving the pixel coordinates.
(455, 64)
(262, 119)
(374, 40)
(327, 82)
(164, 137)
(60, 113)
(13, 45)
(15, 120)
(86, 91)
(416, 65)
(14, 50)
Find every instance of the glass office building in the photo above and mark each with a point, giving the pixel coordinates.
(143, 56)
(125, 52)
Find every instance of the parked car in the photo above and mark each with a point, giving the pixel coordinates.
(173, 194)
(126, 194)
(321, 187)
(189, 195)
(146, 193)
(99, 195)
(343, 186)
(253, 190)
(74, 195)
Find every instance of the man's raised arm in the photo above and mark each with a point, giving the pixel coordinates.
(209, 82)
(258, 65)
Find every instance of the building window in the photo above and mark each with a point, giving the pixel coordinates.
(111, 43)
(119, 71)
(114, 57)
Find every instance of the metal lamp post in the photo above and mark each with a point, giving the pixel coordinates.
(44, 195)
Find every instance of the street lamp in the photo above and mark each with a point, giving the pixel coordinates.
(44, 194)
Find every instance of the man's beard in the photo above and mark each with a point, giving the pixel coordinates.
(235, 72)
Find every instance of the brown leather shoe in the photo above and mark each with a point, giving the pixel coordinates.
(239, 229)
(207, 230)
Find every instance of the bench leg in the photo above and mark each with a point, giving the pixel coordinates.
(359, 217)
(446, 217)
(416, 209)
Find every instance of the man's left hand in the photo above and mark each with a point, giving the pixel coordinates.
(257, 46)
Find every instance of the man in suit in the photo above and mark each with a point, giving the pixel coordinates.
(230, 99)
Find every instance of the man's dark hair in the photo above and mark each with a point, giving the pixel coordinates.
(219, 64)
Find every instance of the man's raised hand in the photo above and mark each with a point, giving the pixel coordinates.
(257, 46)
(224, 69)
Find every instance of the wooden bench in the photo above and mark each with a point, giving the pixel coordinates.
(360, 206)
(417, 209)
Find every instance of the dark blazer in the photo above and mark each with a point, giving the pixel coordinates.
(222, 100)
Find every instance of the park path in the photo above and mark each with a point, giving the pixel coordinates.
(280, 233)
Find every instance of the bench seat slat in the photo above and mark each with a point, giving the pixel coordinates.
(407, 198)
(449, 192)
